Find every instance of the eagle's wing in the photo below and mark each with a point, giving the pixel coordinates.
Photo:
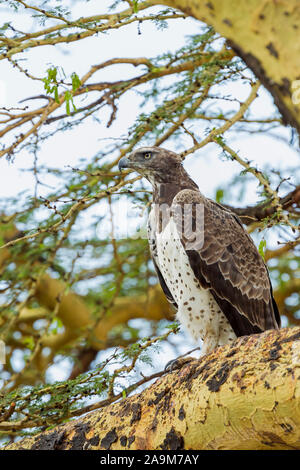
(153, 251)
(227, 263)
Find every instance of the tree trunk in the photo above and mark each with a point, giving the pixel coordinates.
(244, 396)
(265, 34)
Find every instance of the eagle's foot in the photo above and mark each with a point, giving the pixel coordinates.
(177, 363)
(180, 361)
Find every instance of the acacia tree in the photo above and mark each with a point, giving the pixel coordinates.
(68, 293)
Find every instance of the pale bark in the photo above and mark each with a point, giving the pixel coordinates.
(244, 396)
(265, 33)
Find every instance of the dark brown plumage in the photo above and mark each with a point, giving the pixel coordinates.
(220, 288)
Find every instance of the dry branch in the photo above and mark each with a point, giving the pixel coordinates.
(250, 214)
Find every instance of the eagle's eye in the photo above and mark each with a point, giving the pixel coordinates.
(147, 155)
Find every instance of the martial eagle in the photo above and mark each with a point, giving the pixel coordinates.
(208, 268)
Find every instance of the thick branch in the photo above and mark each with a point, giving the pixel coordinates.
(265, 35)
(244, 396)
(251, 214)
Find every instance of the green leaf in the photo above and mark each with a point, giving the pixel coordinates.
(56, 94)
(135, 6)
(219, 195)
(76, 83)
(73, 104)
(68, 97)
(52, 73)
(28, 341)
(262, 248)
(55, 325)
(50, 82)
(68, 100)
(4, 27)
(59, 322)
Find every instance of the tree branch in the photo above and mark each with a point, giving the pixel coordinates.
(251, 27)
(250, 214)
(244, 396)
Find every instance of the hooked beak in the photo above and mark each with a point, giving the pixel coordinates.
(124, 163)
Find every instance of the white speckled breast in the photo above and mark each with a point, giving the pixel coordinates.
(198, 311)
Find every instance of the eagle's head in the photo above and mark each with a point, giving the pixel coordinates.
(158, 165)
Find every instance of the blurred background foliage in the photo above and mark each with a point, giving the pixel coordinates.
(81, 314)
